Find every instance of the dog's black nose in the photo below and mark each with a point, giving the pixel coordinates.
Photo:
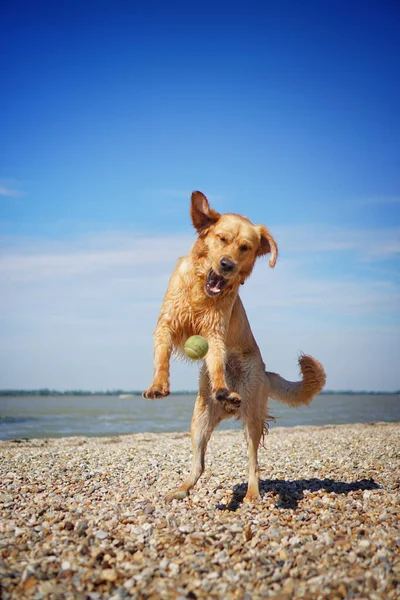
(227, 265)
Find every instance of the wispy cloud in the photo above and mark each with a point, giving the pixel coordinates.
(92, 255)
(10, 192)
(293, 289)
(367, 244)
(127, 254)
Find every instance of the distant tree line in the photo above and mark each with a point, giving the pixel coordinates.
(49, 392)
(358, 393)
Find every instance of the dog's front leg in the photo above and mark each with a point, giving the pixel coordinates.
(205, 418)
(162, 354)
(215, 361)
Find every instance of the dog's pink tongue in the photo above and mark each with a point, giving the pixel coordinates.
(216, 283)
(215, 289)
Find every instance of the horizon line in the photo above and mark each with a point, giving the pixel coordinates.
(122, 392)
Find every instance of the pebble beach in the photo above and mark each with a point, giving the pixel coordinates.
(85, 518)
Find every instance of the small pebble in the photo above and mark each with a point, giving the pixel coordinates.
(101, 535)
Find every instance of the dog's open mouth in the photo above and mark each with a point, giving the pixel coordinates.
(215, 283)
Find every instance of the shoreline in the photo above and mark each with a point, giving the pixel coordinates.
(84, 517)
(236, 432)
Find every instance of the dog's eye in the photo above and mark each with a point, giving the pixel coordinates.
(223, 239)
(244, 247)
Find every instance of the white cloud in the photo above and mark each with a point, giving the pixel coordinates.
(290, 286)
(367, 244)
(92, 255)
(9, 192)
(37, 259)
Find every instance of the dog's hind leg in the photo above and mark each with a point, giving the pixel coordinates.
(205, 419)
(254, 427)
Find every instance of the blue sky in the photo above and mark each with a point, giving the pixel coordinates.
(112, 113)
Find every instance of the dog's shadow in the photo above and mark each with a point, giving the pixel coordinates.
(291, 492)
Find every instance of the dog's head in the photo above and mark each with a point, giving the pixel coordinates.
(227, 246)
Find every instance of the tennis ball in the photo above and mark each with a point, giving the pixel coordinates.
(196, 347)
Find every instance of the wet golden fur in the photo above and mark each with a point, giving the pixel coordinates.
(202, 299)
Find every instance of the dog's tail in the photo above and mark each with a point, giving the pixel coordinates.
(299, 392)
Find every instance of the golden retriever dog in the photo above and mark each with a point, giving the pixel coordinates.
(202, 299)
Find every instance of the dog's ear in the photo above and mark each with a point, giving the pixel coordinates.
(267, 245)
(202, 215)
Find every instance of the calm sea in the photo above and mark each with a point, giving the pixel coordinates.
(48, 416)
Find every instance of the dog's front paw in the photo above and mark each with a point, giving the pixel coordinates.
(157, 391)
(227, 397)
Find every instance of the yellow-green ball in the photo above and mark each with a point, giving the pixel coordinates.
(196, 347)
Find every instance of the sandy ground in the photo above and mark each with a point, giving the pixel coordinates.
(85, 518)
